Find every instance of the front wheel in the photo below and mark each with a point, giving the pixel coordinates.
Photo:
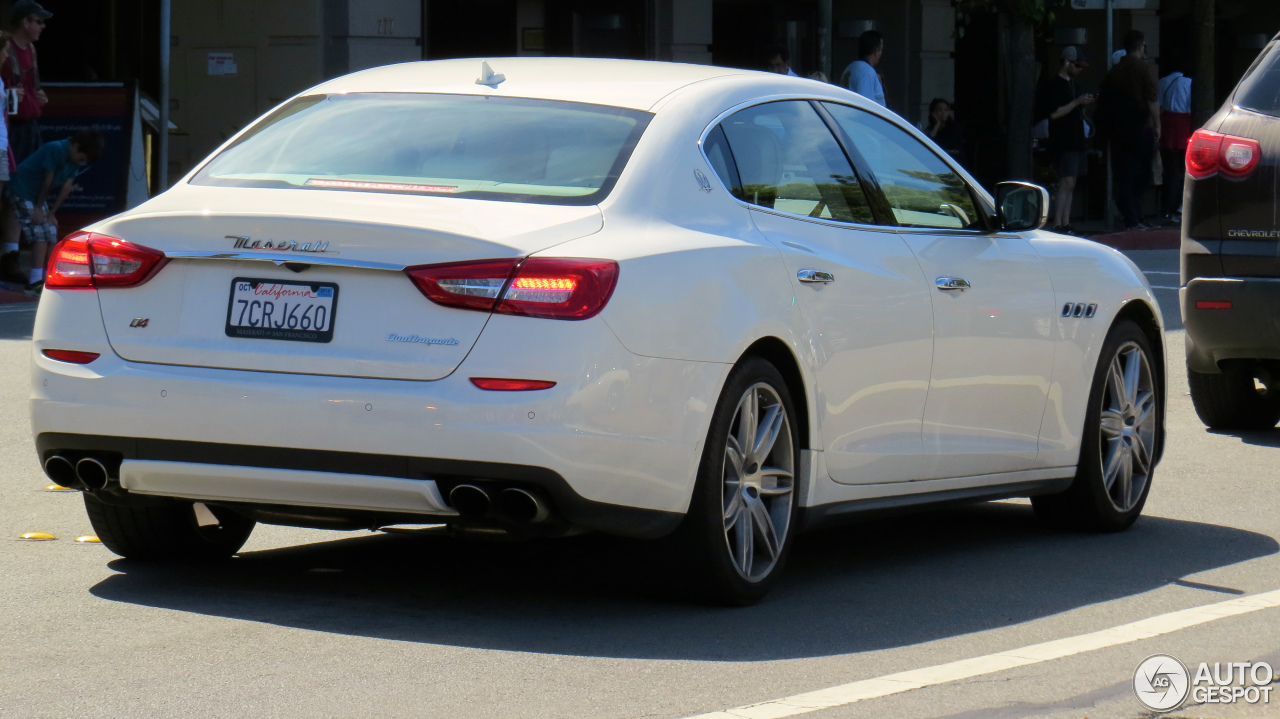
(741, 517)
(1121, 430)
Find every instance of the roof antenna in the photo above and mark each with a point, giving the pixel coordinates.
(487, 76)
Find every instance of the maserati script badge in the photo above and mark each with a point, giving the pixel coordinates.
(248, 243)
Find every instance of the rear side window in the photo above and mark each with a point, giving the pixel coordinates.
(787, 160)
(457, 145)
(1260, 88)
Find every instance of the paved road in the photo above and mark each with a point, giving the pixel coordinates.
(307, 623)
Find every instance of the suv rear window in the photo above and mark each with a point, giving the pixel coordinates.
(1260, 88)
(453, 145)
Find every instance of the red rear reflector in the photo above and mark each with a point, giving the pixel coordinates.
(84, 259)
(1209, 153)
(1213, 305)
(72, 356)
(551, 287)
(511, 385)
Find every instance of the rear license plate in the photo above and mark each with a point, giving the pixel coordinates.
(277, 310)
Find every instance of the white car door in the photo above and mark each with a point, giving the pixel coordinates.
(993, 306)
(860, 288)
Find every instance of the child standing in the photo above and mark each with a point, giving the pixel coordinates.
(54, 165)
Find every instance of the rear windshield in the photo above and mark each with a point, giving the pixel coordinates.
(453, 145)
(1260, 88)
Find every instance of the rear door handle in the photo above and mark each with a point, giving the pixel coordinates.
(815, 276)
(951, 284)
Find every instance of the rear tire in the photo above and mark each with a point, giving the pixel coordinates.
(737, 534)
(169, 532)
(1123, 429)
(1230, 400)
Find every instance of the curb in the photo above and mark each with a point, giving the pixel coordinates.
(1170, 239)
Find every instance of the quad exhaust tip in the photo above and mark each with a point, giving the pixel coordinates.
(469, 500)
(92, 474)
(62, 472)
(517, 505)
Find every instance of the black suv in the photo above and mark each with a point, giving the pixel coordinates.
(1231, 255)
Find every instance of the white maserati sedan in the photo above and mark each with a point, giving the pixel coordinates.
(541, 296)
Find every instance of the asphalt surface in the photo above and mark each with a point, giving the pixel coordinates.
(310, 623)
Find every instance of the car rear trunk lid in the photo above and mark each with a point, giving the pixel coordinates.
(281, 244)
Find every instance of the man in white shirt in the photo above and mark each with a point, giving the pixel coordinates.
(1174, 93)
(863, 78)
(780, 61)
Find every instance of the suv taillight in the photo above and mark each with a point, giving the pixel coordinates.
(88, 260)
(1209, 153)
(559, 288)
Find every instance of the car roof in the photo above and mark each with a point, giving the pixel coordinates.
(635, 84)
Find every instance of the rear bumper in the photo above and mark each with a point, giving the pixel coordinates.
(1249, 329)
(615, 444)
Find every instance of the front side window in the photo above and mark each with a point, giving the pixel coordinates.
(788, 160)
(922, 190)
(454, 145)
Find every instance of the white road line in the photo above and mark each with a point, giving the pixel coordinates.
(16, 307)
(1160, 272)
(1164, 287)
(991, 663)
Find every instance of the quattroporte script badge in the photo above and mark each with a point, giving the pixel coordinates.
(393, 337)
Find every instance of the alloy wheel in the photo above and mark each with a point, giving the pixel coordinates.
(1128, 427)
(758, 482)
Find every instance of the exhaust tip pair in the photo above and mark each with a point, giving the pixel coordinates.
(87, 475)
(512, 504)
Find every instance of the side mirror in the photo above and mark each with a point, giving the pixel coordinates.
(1021, 206)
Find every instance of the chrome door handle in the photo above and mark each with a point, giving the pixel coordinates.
(949, 284)
(815, 276)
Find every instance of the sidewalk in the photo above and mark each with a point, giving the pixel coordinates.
(15, 294)
(1166, 237)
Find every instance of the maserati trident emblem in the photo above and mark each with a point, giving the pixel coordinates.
(248, 243)
(703, 183)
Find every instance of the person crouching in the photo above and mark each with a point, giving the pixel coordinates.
(54, 165)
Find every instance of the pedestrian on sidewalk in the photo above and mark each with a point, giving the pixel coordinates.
(779, 61)
(1129, 115)
(861, 73)
(54, 165)
(22, 72)
(1062, 104)
(1174, 90)
(9, 269)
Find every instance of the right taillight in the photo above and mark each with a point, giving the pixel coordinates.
(563, 288)
(87, 260)
(1209, 153)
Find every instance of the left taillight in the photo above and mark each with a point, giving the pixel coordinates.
(88, 260)
(1210, 153)
(562, 288)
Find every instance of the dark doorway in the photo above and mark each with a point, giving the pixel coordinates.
(743, 30)
(596, 28)
(476, 28)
